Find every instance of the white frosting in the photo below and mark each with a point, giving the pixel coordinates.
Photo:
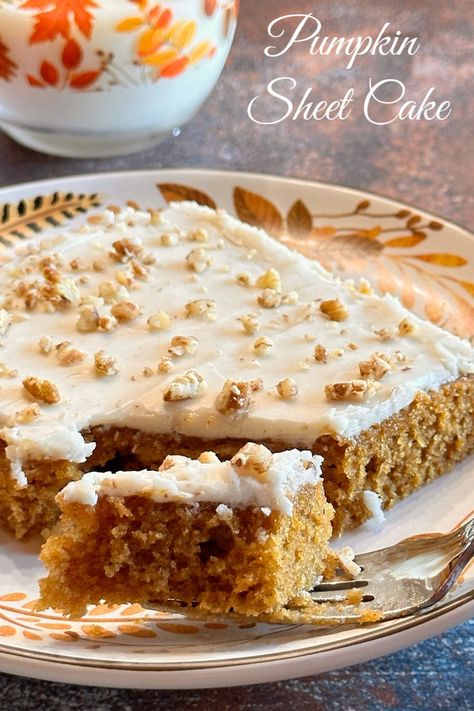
(373, 502)
(190, 481)
(225, 351)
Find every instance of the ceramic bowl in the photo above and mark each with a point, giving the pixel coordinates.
(94, 78)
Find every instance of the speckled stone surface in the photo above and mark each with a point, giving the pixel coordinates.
(429, 164)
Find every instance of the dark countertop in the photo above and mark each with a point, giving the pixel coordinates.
(429, 164)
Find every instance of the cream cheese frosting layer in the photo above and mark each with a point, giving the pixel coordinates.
(191, 481)
(111, 323)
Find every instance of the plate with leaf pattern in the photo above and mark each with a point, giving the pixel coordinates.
(426, 261)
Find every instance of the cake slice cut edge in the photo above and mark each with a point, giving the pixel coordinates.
(242, 537)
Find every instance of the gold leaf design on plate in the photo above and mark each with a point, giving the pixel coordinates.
(443, 259)
(406, 240)
(30, 216)
(174, 192)
(258, 211)
(299, 220)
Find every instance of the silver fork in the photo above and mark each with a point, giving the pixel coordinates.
(395, 581)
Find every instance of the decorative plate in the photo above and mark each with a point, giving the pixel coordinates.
(426, 261)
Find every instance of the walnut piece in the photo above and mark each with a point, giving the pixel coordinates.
(69, 355)
(385, 334)
(5, 321)
(208, 458)
(269, 280)
(183, 344)
(165, 365)
(243, 278)
(169, 240)
(43, 390)
(287, 388)
(235, 396)
(262, 345)
(320, 353)
(45, 345)
(104, 363)
(375, 367)
(198, 235)
(185, 387)
(269, 298)
(125, 310)
(198, 260)
(250, 323)
(6, 372)
(202, 308)
(88, 320)
(352, 390)
(253, 460)
(159, 321)
(407, 327)
(124, 249)
(334, 309)
(28, 414)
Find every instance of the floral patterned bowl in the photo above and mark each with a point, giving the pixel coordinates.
(91, 78)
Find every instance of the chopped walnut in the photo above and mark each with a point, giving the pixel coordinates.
(138, 269)
(352, 346)
(165, 365)
(105, 364)
(183, 344)
(320, 353)
(88, 320)
(43, 390)
(334, 309)
(126, 278)
(287, 388)
(384, 334)
(269, 298)
(125, 310)
(69, 355)
(198, 260)
(6, 372)
(169, 240)
(147, 371)
(407, 327)
(337, 353)
(375, 367)
(159, 321)
(291, 298)
(45, 345)
(77, 264)
(107, 322)
(352, 390)
(262, 345)
(364, 287)
(208, 458)
(98, 266)
(28, 414)
(250, 323)
(199, 235)
(187, 386)
(253, 460)
(110, 291)
(202, 308)
(243, 278)
(235, 396)
(269, 280)
(124, 249)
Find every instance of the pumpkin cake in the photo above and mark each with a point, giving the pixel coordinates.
(244, 536)
(148, 333)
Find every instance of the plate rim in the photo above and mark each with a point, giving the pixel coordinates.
(246, 174)
(375, 633)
